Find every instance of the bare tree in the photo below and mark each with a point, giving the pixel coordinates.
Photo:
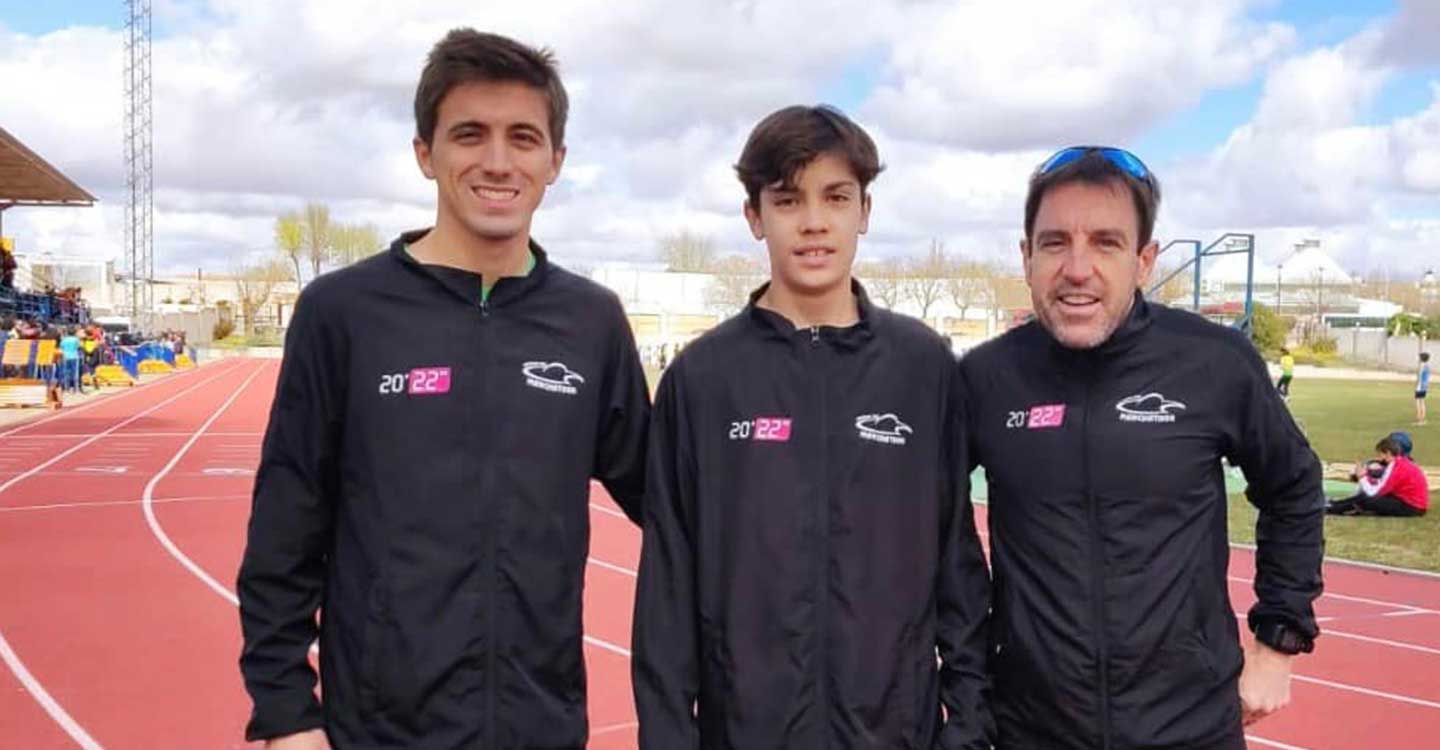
(253, 286)
(882, 280)
(353, 242)
(318, 235)
(688, 252)
(736, 276)
(924, 278)
(971, 284)
(290, 241)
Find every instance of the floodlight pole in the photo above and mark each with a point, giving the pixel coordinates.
(139, 165)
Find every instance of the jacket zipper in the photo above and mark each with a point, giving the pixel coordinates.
(491, 535)
(1097, 554)
(822, 601)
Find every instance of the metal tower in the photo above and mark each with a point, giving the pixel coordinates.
(139, 260)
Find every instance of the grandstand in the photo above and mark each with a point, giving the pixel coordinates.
(43, 292)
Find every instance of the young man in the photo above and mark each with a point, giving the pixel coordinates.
(425, 476)
(1390, 485)
(1287, 373)
(808, 544)
(1422, 387)
(1101, 426)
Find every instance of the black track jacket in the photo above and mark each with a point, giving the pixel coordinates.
(1112, 624)
(809, 544)
(424, 481)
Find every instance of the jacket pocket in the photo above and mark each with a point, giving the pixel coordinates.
(372, 693)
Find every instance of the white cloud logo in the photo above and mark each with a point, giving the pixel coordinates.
(882, 428)
(555, 377)
(1150, 407)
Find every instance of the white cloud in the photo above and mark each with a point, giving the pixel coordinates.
(263, 105)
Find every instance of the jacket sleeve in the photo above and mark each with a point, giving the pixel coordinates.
(1283, 476)
(666, 665)
(282, 573)
(624, 421)
(963, 598)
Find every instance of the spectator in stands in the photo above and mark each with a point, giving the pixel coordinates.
(70, 360)
(1390, 485)
(7, 269)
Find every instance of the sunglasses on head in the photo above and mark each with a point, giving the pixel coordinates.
(1126, 161)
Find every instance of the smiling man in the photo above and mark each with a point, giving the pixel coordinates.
(809, 547)
(1101, 426)
(425, 476)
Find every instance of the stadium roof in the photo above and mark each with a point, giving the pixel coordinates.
(28, 180)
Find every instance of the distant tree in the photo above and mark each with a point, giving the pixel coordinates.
(253, 286)
(1268, 330)
(971, 284)
(319, 239)
(350, 243)
(687, 252)
(290, 241)
(882, 279)
(736, 276)
(924, 279)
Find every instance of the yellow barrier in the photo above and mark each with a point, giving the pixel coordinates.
(27, 392)
(183, 362)
(155, 367)
(112, 375)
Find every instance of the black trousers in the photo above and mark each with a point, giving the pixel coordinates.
(1380, 505)
(1284, 385)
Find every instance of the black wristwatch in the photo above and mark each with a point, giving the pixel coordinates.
(1283, 638)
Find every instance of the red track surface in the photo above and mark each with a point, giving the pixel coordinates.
(118, 630)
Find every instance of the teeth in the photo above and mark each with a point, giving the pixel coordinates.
(496, 195)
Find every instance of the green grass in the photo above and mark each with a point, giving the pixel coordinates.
(244, 342)
(1403, 542)
(1344, 418)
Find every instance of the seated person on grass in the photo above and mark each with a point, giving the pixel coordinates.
(1390, 485)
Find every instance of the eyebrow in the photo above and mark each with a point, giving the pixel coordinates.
(478, 125)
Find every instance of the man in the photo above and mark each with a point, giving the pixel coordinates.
(1101, 426)
(1422, 387)
(1390, 485)
(425, 476)
(808, 543)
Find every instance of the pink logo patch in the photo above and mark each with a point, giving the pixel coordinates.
(1047, 416)
(426, 381)
(773, 429)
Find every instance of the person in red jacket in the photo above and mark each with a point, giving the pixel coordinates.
(1390, 485)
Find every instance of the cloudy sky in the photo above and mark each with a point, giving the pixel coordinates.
(1288, 118)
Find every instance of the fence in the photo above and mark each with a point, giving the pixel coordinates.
(1376, 348)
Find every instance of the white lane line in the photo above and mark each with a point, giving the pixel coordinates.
(1381, 641)
(611, 566)
(7, 485)
(608, 511)
(147, 499)
(73, 410)
(56, 711)
(608, 646)
(1368, 691)
(609, 728)
(1360, 599)
(1272, 743)
(12, 660)
(113, 503)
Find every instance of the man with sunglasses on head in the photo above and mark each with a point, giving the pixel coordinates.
(1101, 425)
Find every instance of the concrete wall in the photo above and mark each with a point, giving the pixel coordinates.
(1374, 347)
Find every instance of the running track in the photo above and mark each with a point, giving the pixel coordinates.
(121, 527)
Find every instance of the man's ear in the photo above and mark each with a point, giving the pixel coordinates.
(752, 217)
(422, 157)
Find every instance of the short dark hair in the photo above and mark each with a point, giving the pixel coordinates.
(790, 138)
(1388, 445)
(1424, 356)
(466, 56)
(1094, 169)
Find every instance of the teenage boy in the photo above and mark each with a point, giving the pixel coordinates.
(426, 472)
(809, 544)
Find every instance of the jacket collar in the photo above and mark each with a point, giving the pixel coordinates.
(780, 327)
(466, 284)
